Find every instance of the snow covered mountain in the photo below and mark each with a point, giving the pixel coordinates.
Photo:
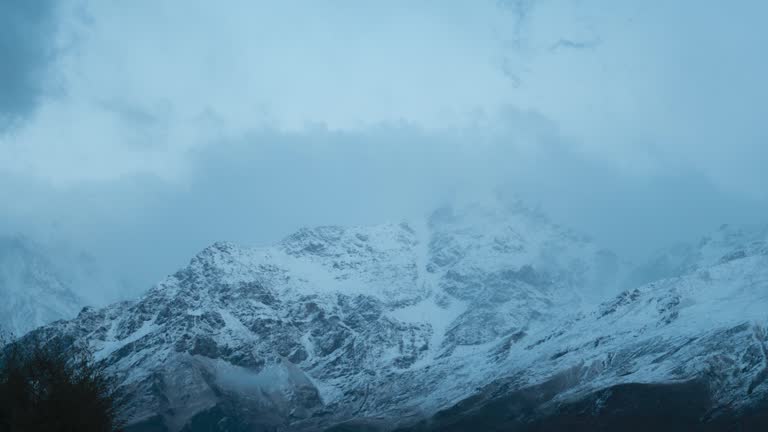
(473, 313)
(334, 324)
(689, 352)
(725, 244)
(33, 291)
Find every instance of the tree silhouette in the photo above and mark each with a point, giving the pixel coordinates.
(47, 387)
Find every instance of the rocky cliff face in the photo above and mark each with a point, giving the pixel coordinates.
(383, 327)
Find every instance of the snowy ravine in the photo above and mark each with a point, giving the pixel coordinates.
(383, 327)
(33, 291)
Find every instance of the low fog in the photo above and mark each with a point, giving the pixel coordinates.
(139, 132)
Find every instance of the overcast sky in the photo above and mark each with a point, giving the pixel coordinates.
(143, 130)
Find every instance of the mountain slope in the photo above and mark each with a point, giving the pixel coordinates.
(698, 342)
(335, 324)
(722, 245)
(33, 290)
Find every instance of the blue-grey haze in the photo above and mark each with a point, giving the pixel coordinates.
(174, 124)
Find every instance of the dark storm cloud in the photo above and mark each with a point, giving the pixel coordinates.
(27, 29)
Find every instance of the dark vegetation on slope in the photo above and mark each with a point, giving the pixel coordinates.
(45, 387)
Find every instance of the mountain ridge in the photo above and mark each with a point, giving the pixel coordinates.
(389, 325)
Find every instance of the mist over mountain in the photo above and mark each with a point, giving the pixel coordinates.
(523, 215)
(40, 284)
(34, 293)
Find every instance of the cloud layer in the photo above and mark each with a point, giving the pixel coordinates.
(27, 30)
(175, 124)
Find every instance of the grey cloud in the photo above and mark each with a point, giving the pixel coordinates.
(131, 113)
(261, 186)
(146, 126)
(653, 138)
(574, 44)
(521, 9)
(27, 28)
